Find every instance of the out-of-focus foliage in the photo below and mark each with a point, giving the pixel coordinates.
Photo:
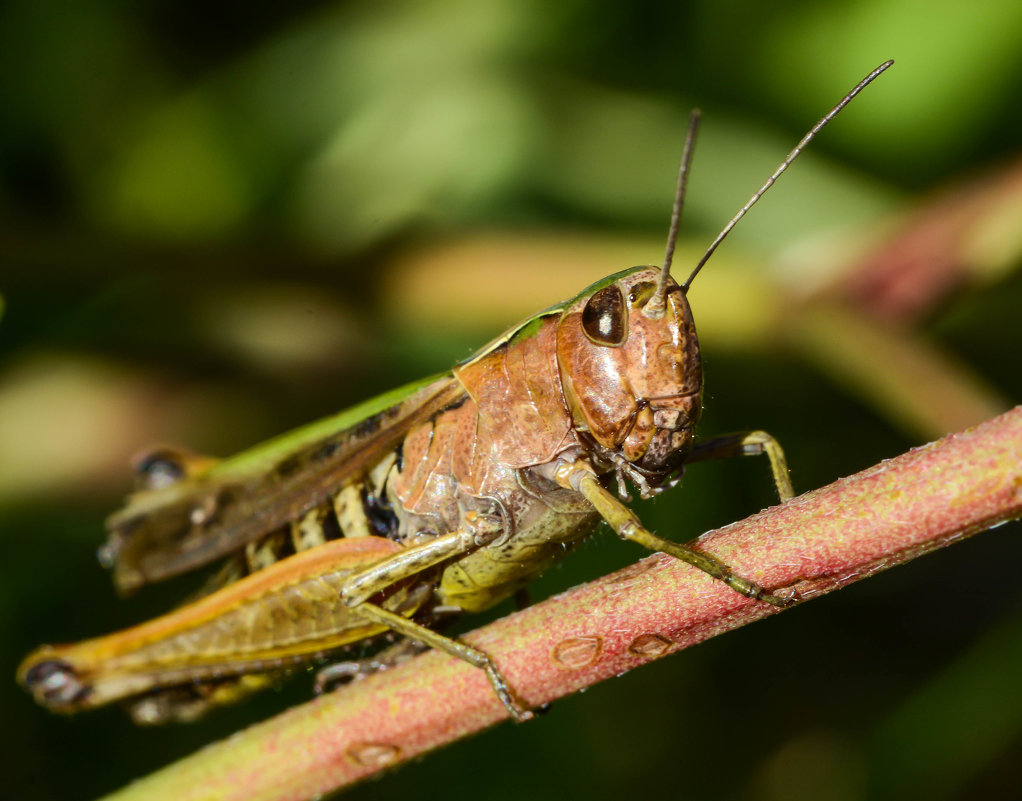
(220, 222)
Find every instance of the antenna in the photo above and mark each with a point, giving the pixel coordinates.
(777, 173)
(654, 307)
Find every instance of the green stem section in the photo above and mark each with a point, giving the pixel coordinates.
(819, 542)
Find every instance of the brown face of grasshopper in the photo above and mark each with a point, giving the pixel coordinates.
(632, 379)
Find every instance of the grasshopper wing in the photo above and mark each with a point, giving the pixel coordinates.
(214, 511)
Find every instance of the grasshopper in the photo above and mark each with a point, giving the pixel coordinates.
(442, 497)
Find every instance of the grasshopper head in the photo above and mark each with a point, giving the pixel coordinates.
(627, 347)
(632, 380)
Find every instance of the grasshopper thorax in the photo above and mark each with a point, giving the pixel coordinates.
(633, 382)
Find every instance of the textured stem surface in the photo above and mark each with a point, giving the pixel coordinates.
(821, 541)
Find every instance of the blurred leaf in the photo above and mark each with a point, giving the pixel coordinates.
(947, 732)
(955, 62)
(177, 178)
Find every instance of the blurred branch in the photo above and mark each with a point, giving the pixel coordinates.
(918, 386)
(965, 233)
(819, 542)
(861, 328)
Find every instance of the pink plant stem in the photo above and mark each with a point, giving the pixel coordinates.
(821, 541)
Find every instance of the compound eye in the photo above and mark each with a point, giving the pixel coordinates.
(605, 317)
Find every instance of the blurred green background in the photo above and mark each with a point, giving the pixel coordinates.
(223, 220)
